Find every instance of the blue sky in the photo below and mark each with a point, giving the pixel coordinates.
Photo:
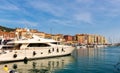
(63, 16)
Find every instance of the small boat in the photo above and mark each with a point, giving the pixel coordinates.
(81, 46)
(32, 48)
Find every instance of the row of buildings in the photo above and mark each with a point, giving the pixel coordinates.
(67, 39)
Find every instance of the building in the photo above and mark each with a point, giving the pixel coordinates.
(26, 33)
(7, 35)
(40, 34)
(90, 39)
(58, 37)
(49, 36)
(68, 39)
(81, 38)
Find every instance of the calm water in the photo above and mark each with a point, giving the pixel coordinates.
(90, 60)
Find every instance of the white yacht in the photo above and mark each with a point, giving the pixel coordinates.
(33, 48)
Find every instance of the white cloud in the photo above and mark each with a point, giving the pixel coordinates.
(115, 2)
(109, 8)
(19, 22)
(84, 17)
(10, 7)
(47, 7)
(61, 22)
(114, 9)
(7, 6)
(84, 1)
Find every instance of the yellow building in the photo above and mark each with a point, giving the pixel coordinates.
(81, 38)
(40, 34)
(103, 40)
(23, 32)
(91, 39)
(58, 37)
(49, 36)
(100, 39)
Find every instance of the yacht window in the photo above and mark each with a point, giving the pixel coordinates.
(5, 41)
(0, 42)
(18, 45)
(38, 45)
(56, 43)
(10, 44)
(7, 47)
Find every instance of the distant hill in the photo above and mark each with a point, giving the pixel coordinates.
(2, 28)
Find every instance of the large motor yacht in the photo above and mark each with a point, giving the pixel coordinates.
(32, 48)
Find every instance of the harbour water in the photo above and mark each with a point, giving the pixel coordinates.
(87, 60)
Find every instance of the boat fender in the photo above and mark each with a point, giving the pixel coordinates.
(53, 49)
(25, 60)
(57, 50)
(49, 51)
(41, 52)
(15, 55)
(34, 53)
(63, 50)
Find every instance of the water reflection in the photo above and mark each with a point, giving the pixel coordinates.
(101, 60)
(41, 66)
(89, 52)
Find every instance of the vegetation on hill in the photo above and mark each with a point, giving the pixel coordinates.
(2, 28)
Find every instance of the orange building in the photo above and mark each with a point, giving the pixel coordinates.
(68, 39)
(81, 38)
(7, 35)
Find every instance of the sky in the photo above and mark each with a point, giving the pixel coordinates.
(68, 17)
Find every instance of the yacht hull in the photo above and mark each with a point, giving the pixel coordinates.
(34, 53)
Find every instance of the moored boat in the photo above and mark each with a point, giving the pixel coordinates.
(32, 48)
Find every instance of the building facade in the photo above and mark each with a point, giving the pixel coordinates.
(7, 35)
(58, 37)
(68, 39)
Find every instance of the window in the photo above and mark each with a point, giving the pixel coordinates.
(5, 41)
(7, 47)
(0, 42)
(57, 43)
(38, 45)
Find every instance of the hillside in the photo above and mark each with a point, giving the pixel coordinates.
(6, 29)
